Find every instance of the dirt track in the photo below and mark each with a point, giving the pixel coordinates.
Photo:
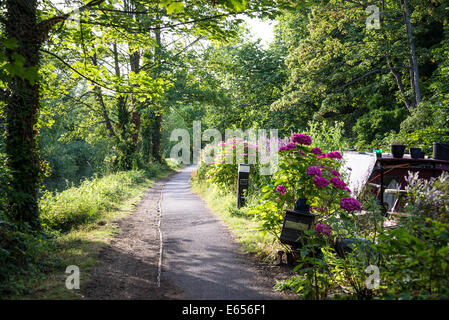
(130, 264)
(200, 258)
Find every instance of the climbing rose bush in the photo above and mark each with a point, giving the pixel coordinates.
(305, 172)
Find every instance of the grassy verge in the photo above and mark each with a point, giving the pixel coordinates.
(245, 228)
(81, 221)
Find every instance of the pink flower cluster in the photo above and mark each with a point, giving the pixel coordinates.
(320, 182)
(281, 189)
(323, 229)
(331, 155)
(350, 204)
(316, 151)
(314, 171)
(334, 155)
(335, 173)
(301, 138)
(338, 183)
(289, 146)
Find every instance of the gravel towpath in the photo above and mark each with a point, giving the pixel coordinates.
(200, 258)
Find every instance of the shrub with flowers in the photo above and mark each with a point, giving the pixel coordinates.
(224, 173)
(305, 172)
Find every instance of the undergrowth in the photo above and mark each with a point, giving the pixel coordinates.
(76, 224)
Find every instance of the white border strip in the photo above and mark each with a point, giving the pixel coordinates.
(159, 268)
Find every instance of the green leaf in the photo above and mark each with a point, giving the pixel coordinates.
(175, 7)
(10, 43)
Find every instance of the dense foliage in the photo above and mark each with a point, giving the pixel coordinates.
(96, 87)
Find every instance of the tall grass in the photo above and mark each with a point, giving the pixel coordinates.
(78, 222)
(86, 203)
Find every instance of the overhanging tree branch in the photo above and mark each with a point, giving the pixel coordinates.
(45, 26)
(166, 26)
(361, 77)
(88, 78)
(149, 66)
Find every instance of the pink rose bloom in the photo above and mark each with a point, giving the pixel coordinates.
(320, 181)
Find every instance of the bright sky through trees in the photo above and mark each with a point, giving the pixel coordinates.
(261, 29)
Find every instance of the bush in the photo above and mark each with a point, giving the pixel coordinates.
(416, 264)
(223, 172)
(22, 257)
(304, 172)
(412, 258)
(327, 136)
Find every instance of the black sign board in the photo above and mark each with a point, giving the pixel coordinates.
(295, 223)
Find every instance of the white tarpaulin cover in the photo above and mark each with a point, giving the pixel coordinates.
(357, 168)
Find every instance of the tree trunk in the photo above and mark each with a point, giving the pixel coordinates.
(414, 70)
(156, 139)
(22, 105)
(146, 130)
(134, 60)
(100, 101)
(156, 136)
(124, 160)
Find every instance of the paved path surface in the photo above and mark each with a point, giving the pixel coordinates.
(200, 256)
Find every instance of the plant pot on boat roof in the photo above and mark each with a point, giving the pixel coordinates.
(397, 148)
(415, 153)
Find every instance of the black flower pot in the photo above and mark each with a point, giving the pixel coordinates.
(397, 150)
(415, 153)
(302, 206)
(295, 223)
(422, 155)
(441, 151)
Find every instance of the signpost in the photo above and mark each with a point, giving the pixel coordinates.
(242, 184)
